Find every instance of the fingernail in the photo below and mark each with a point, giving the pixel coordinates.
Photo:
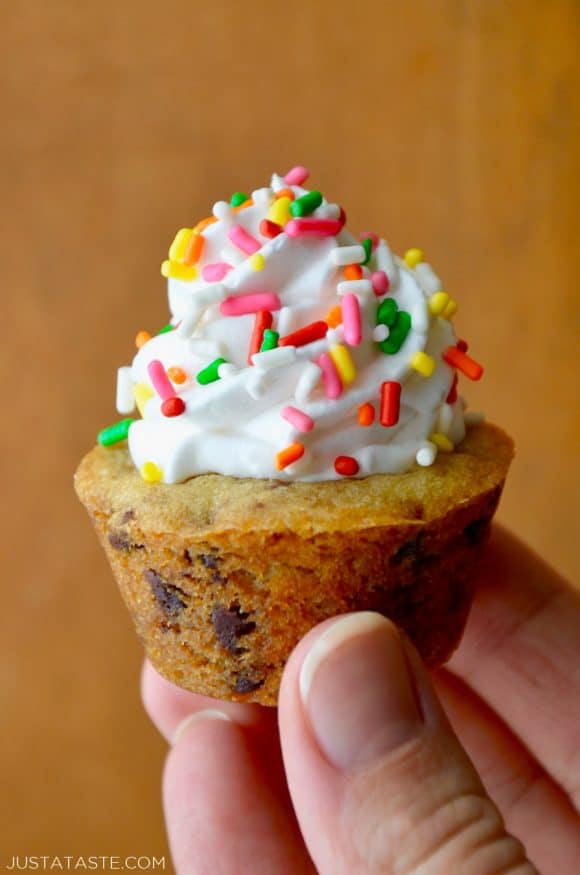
(198, 717)
(357, 691)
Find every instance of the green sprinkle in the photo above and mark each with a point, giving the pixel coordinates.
(210, 374)
(115, 433)
(306, 204)
(387, 312)
(166, 328)
(397, 334)
(367, 245)
(238, 198)
(270, 340)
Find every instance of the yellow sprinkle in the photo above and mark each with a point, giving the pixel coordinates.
(257, 261)
(151, 473)
(279, 212)
(438, 302)
(413, 256)
(343, 363)
(422, 363)
(450, 310)
(179, 271)
(142, 393)
(441, 441)
(178, 248)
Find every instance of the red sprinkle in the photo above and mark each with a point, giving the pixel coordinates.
(270, 229)
(262, 321)
(452, 397)
(311, 227)
(462, 345)
(346, 465)
(314, 331)
(173, 406)
(390, 402)
(457, 359)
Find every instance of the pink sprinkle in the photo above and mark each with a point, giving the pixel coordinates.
(160, 380)
(240, 305)
(313, 227)
(374, 238)
(297, 175)
(351, 320)
(297, 418)
(380, 283)
(330, 378)
(213, 273)
(244, 241)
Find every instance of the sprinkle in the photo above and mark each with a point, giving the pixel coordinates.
(274, 358)
(343, 363)
(238, 198)
(243, 206)
(413, 256)
(307, 334)
(306, 382)
(244, 241)
(458, 359)
(285, 321)
(141, 338)
(422, 363)
(213, 273)
(380, 332)
(380, 283)
(297, 418)
(352, 272)
(166, 329)
(221, 210)
(387, 312)
(305, 205)
(173, 406)
(142, 393)
(346, 465)
(226, 370)
(390, 403)
(334, 316)
(210, 373)
(194, 249)
(242, 304)
(462, 345)
(452, 396)
(279, 212)
(160, 380)
(313, 227)
(269, 341)
(370, 235)
(445, 418)
(348, 255)
(285, 192)
(427, 278)
(438, 303)
(366, 414)
(270, 229)
(287, 456)
(426, 455)
(263, 196)
(473, 417)
(351, 320)
(125, 400)
(355, 287)
(450, 310)
(398, 332)
(297, 176)
(176, 375)
(262, 321)
(150, 472)
(367, 244)
(330, 378)
(204, 223)
(180, 243)
(178, 271)
(257, 261)
(115, 433)
(441, 441)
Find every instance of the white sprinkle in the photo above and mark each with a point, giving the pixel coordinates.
(222, 210)
(327, 211)
(473, 417)
(427, 278)
(274, 358)
(285, 321)
(419, 317)
(445, 418)
(334, 335)
(278, 182)
(380, 333)
(355, 287)
(225, 370)
(263, 197)
(307, 381)
(125, 397)
(426, 455)
(348, 255)
(386, 262)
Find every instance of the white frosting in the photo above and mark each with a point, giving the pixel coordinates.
(234, 425)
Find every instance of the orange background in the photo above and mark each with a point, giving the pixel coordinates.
(447, 125)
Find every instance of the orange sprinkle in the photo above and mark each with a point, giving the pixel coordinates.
(366, 414)
(353, 272)
(288, 455)
(248, 203)
(142, 338)
(194, 247)
(334, 316)
(284, 192)
(176, 375)
(203, 223)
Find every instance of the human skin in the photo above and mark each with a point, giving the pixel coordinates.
(370, 765)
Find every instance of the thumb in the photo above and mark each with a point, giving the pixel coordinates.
(378, 780)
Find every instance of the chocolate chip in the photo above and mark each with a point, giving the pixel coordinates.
(120, 541)
(410, 550)
(128, 516)
(245, 684)
(217, 578)
(187, 557)
(208, 560)
(167, 595)
(476, 529)
(229, 625)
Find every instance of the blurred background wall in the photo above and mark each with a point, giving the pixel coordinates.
(450, 125)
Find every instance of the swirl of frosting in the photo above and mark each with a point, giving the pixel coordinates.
(295, 351)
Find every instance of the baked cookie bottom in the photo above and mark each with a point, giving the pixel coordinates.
(223, 576)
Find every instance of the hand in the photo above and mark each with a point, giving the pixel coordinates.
(360, 770)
